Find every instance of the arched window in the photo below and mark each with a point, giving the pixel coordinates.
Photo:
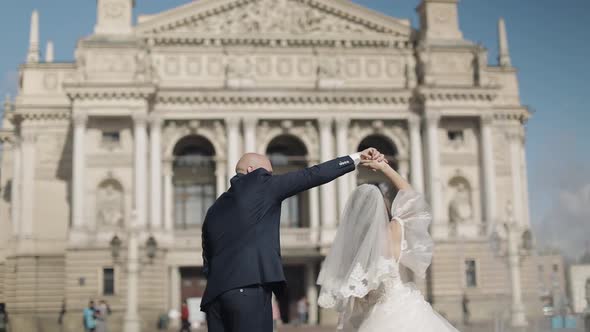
(194, 180)
(388, 148)
(287, 153)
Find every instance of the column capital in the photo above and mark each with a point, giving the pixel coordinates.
(80, 119)
(414, 121)
(156, 120)
(342, 122)
(432, 118)
(232, 122)
(325, 122)
(250, 121)
(515, 134)
(486, 119)
(139, 118)
(28, 137)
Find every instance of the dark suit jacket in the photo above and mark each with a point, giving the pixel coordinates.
(241, 231)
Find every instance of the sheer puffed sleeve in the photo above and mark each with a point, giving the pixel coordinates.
(413, 213)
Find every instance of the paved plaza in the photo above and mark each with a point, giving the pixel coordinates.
(542, 325)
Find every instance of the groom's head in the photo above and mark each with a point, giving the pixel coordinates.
(253, 161)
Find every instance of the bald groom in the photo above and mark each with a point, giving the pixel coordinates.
(241, 239)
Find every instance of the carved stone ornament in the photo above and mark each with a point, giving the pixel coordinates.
(114, 9)
(110, 204)
(273, 16)
(460, 208)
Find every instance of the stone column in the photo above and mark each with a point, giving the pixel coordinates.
(314, 215)
(131, 320)
(416, 163)
(489, 174)
(15, 189)
(250, 124)
(221, 183)
(168, 197)
(403, 165)
(525, 183)
(233, 141)
(515, 138)
(29, 140)
(156, 172)
(78, 166)
(312, 293)
(140, 164)
(327, 191)
(439, 227)
(342, 150)
(514, 231)
(175, 295)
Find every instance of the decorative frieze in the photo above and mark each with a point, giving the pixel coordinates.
(278, 17)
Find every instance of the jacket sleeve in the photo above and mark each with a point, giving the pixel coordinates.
(289, 184)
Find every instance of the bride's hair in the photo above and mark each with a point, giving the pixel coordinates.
(386, 201)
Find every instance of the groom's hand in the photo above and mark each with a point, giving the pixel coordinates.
(372, 154)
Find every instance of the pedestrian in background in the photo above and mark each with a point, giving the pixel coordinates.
(3, 318)
(302, 310)
(184, 317)
(90, 317)
(104, 311)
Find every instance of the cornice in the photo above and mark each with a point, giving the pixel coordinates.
(109, 90)
(181, 39)
(24, 115)
(457, 94)
(313, 97)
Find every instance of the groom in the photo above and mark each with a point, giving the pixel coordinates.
(241, 239)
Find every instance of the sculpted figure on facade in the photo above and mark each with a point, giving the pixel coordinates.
(275, 16)
(110, 204)
(144, 67)
(460, 208)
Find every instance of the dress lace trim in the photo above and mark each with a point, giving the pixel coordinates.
(359, 283)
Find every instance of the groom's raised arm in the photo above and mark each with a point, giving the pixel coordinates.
(292, 183)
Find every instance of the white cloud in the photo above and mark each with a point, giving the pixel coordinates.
(567, 224)
(576, 204)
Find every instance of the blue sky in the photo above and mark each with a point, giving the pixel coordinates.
(549, 44)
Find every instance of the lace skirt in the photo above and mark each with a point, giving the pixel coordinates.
(403, 309)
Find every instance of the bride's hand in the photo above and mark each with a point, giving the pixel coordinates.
(375, 165)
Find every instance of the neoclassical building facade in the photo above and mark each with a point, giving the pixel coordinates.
(151, 118)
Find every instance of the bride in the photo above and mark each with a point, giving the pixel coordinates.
(360, 278)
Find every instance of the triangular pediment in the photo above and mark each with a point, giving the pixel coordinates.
(302, 18)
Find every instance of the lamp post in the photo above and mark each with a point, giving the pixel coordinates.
(518, 243)
(131, 320)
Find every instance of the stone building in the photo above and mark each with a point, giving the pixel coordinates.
(152, 116)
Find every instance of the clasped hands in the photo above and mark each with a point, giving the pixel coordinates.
(373, 159)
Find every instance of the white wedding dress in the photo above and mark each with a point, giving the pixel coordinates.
(360, 278)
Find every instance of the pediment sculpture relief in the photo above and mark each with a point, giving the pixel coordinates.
(273, 16)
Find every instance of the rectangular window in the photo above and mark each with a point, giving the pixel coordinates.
(455, 135)
(470, 273)
(108, 281)
(111, 137)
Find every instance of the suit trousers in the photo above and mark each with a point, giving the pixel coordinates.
(246, 309)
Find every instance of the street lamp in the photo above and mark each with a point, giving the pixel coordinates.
(518, 243)
(133, 265)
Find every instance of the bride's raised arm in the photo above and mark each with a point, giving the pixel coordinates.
(410, 221)
(398, 181)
